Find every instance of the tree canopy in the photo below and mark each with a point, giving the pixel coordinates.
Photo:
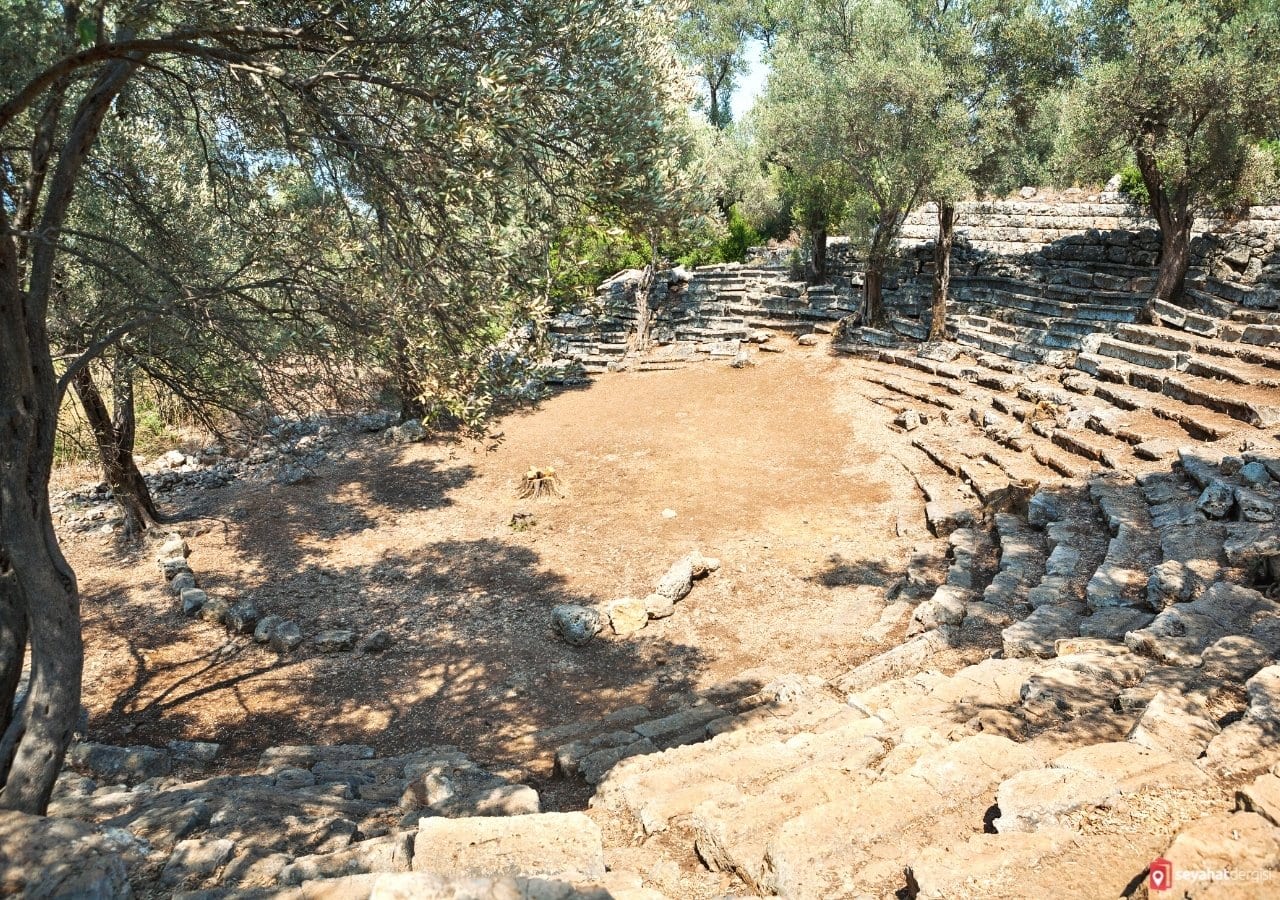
(1187, 88)
(185, 185)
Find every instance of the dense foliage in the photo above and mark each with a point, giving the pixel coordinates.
(248, 202)
(1185, 89)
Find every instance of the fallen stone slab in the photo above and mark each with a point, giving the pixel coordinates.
(1081, 683)
(679, 723)
(595, 766)
(1254, 507)
(335, 640)
(1249, 543)
(196, 858)
(542, 844)
(432, 886)
(825, 839)
(1202, 468)
(108, 764)
(905, 659)
(304, 756)
(1113, 623)
(1122, 577)
(943, 516)
(970, 867)
(462, 791)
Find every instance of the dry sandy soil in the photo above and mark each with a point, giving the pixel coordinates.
(781, 471)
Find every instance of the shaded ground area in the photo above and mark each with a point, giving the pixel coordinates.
(764, 468)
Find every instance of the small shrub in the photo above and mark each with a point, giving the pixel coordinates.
(1133, 187)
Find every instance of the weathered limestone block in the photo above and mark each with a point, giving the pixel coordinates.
(1261, 797)
(1080, 683)
(335, 640)
(110, 764)
(1117, 582)
(1180, 633)
(1037, 634)
(285, 636)
(468, 791)
(1242, 842)
(51, 857)
(542, 844)
(1251, 744)
(1250, 543)
(193, 600)
(304, 756)
(966, 868)
(678, 580)
(946, 607)
(627, 615)
(392, 853)
(1039, 798)
(1175, 725)
(196, 858)
(908, 658)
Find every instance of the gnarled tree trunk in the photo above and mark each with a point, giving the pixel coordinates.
(37, 587)
(1172, 211)
(114, 433)
(942, 271)
(407, 387)
(818, 257)
(873, 295)
(36, 577)
(1175, 257)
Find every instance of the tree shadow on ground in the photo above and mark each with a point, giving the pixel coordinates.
(274, 524)
(841, 572)
(474, 663)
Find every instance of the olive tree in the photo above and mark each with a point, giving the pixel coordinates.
(1186, 87)
(1000, 59)
(862, 88)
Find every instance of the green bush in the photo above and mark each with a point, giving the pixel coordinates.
(731, 246)
(1133, 187)
(586, 255)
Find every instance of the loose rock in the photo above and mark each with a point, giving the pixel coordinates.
(577, 625)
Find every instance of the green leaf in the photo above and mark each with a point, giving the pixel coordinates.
(87, 31)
